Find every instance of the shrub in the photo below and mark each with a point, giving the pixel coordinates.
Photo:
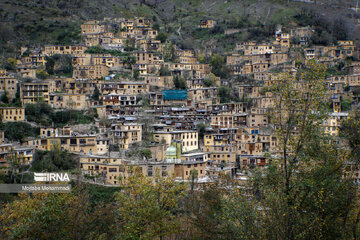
(162, 37)
(218, 66)
(19, 131)
(179, 82)
(165, 71)
(54, 160)
(43, 114)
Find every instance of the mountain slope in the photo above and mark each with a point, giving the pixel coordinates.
(38, 22)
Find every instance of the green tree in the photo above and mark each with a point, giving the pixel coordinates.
(96, 50)
(218, 66)
(61, 118)
(96, 93)
(345, 105)
(164, 71)
(42, 74)
(59, 65)
(201, 58)
(4, 97)
(168, 52)
(162, 37)
(143, 99)
(194, 174)
(210, 80)
(54, 160)
(17, 100)
(146, 153)
(129, 60)
(15, 166)
(10, 64)
(156, 26)
(19, 131)
(179, 82)
(350, 130)
(136, 74)
(224, 94)
(49, 66)
(129, 45)
(201, 128)
(39, 113)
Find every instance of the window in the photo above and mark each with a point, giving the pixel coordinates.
(163, 169)
(150, 171)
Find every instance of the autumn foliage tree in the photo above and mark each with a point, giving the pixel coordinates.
(147, 207)
(303, 193)
(57, 216)
(222, 210)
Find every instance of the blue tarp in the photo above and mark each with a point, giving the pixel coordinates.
(174, 94)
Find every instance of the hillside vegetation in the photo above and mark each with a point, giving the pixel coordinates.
(58, 22)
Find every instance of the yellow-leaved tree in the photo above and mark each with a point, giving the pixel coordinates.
(302, 193)
(148, 207)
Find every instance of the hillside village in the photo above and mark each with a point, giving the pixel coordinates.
(128, 97)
